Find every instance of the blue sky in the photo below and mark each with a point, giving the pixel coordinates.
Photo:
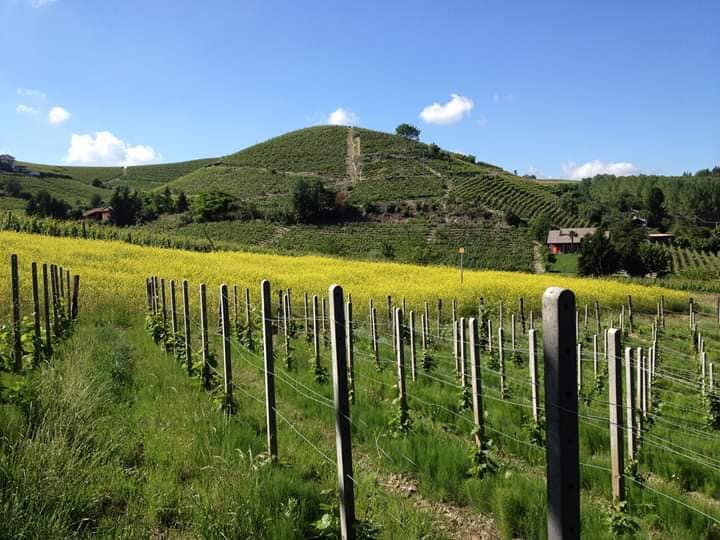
(556, 88)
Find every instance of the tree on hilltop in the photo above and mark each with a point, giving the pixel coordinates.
(408, 131)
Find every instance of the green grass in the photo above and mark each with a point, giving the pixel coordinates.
(565, 263)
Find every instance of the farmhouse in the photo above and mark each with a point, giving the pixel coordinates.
(7, 162)
(661, 238)
(97, 214)
(567, 240)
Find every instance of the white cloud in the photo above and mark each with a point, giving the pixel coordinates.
(448, 113)
(593, 168)
(24, 109)
(343, 117)
(106, 149)
(58, 115)
(29, 92)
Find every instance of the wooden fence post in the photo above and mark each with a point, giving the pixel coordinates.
(269, 369)
(532, 355)
(423, 329)
(76, 291)
(439, 316)
(400, 354)
(462, 340)
(629, 404)
(597, 317)
(616, 415)
(46, 304)
(205, 375)
(316, 331)
(164, 304)
(173, 315)
(226, 336)
(512, 333)
(521, 309)
(54, 293)
(306, 332)
(579, 365)
(413, 356)
(186, 326)
(67, 275)
(248, 319)
(561, 406)
(475, 374)
(631, 319)
(376, 350)
(350, 348)
(17, 334)
(37, 341)
(342, 414)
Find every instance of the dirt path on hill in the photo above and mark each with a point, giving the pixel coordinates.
(353, 159)
(538, 266)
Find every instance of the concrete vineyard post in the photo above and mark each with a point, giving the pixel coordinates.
(501, 359)
(37, 342)
(350, 347)
(501, 315)
(630, 404)
(585, 319)
(426, 327)
(306, 331)
(400, 355)
(579, 366)
(342, 414)
(703, 372)
(561, 412)
(423, 329)
(391, 326)
(186, 326)
(205, 376)
(577, 325)
(248, 319)
(638, 393)
(269, 369)
(475, 374)
(236, 308)
(226, 336)
(490, 335)
(316, 332)
(595, 356)
(463, 340)
(46, 304)
(17, 337)
(644, 379)
(456, 347)
(413, 358)
(532, 354)
(323, 319)
(616, 415)
(286, 324)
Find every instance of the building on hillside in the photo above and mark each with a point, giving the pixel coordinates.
(567, 240)
(7, 163)
(98, 214)
(661, 238)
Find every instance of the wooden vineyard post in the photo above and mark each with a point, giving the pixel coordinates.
(521, 309)
(186, 326)
(439, 317)
(561, 412)
(46, 305)
(501, 315)
(423, 330)
(76, 291)
(490, 335)
(579, 365)
(148, 291)
(426, 326)
(17, 336)
(585, 319)
(391, 326)
(248, 320)
(629, 404)
(173, 315)
(616, 415)
(577, 325)
(226, 336)
(37, 340)
(316, 332)
(703, 372)
(512, 333)
(323, 319)
(286, 326)
(413, 356)
(269, 369)
(631, 320)
(53, 295)
(501, 360)
(306, 331)
(373, 324)
(164, 305)
(236, 308)
(597, 317)
(60, 278)
(67, 275)
(342, 414)
(350, 348)
(532, 355)
(475, 374)
(205, 376)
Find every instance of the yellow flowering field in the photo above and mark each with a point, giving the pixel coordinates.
(114, 272)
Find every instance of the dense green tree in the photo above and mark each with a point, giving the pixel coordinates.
(96, 201)
(512, 219)
(627, 239)
(597, 255)
(655, 204)
(655, 259)
(310, 200)
(42, 204)
(213, 206)
(539, 227)
(182, 204)
(408, 131)
(126, 206)
(12, 187)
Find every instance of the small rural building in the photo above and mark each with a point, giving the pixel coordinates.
(567, 240)
(661, 238)
(7, 162)
(97, 214)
